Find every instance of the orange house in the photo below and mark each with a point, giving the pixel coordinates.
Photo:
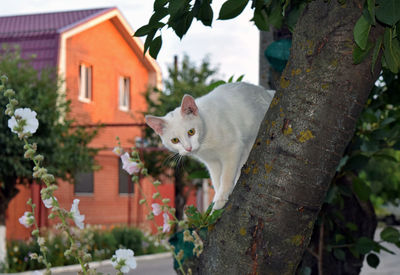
(105, 75)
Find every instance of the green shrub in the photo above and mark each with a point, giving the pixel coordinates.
(100, 243)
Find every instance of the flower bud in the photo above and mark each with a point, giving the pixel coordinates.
(156, 195)
(48, 178)
(38, 158)
(4, 78)
(166, 201)
(29, 154)
(156, 183)
(142, 201)
(9, 93)
(35, 232)
(14, 102)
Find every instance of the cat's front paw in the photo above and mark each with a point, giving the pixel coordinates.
(218, 204)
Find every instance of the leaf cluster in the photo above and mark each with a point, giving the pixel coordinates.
(64, 148)
(197, 220)
(179, 15)
(387, 14)
(371, 162)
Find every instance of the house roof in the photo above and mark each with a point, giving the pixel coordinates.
(44, 23)
(43, 35)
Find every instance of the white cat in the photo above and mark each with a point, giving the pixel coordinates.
(219, 129)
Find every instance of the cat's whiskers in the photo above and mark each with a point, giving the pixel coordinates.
(170, 160)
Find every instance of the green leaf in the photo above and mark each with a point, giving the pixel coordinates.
(142, 31)
(390, 234)
(159, 4)
(149, 39)
(214, 85)
(361, 32)
(275, 17)
(388, 11)
(391, 51)
(146, 29)
(182, 24)
(377, 48)
(372, 260)
(260, 20)
(157, 16)
(371, 10)
(365, 245)
(359, 54)
(199, 174)
(176, 7)
(155, 47)
(240, 78)
(202, 11)
(339, 254)
(232, 8)
(361, 189)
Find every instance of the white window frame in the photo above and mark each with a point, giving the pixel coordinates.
(85, 82)
(124, 87)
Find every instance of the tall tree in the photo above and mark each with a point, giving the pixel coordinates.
(65, 149)
(335, 59)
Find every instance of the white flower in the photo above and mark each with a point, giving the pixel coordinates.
(76, 215)
(49, 202)
(125, 259)
(27, 219)
(41, 241)
(128, 165)
(118, 150)
(166, 226)
(31, 123)
(156, 209)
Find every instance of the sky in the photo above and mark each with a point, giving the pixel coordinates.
(231, 45)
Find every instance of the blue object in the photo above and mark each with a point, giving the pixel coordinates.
(277, 54)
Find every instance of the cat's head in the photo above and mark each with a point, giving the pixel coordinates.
(181, 129)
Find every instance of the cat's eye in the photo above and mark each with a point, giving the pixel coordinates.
(175, 140)
(191, 132)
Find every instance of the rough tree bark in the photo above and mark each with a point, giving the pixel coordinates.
(269, 218)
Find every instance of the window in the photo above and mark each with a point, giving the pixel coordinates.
(85, 83)
(125, 185)
(123, 93)
(84, 182)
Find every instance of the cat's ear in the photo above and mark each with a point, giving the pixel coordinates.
(156, 123)
(188, 106)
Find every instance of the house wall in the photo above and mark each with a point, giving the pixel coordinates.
(106, 51)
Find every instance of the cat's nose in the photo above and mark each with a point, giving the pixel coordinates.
(189, 149)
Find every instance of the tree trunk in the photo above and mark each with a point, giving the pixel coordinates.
(269, 218)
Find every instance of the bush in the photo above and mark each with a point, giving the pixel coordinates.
(99, 242)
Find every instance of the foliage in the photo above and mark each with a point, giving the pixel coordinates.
(372, 163)
(65, 148)
(279, 13)
(100, 242)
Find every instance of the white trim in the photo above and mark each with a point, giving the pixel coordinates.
(62, 62)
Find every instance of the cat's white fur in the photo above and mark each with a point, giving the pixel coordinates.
(226, 123)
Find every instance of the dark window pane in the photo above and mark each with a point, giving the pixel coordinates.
(84, 182)
(125, 185)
